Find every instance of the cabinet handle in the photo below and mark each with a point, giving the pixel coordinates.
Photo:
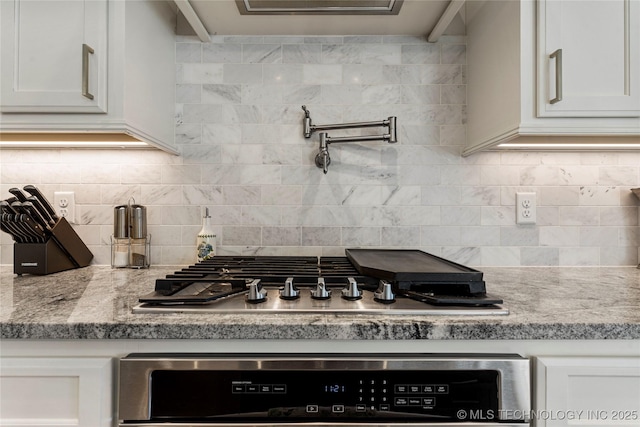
(86, 50)
(558, 56)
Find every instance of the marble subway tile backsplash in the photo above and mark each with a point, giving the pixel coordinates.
(238, 123)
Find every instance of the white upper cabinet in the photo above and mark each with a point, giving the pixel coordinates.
(128, 50)
(518, 50)
(588, 58)
(54, 56)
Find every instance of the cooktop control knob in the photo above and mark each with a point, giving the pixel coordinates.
(289, 291)
(384, 294)
(320, 292)
(351, 292)
(256, 293)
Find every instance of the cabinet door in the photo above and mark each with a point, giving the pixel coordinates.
(587, 391)
(54, 56)
(596, 66)
(63, 391)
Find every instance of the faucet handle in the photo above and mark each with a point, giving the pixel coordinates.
(322, 158)
(306, 112)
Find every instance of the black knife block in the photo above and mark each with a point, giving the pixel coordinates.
(64, 250)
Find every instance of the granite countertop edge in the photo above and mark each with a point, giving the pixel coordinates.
(354, 331)
(95, 303)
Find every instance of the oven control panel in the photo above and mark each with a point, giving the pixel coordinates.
(322, 395)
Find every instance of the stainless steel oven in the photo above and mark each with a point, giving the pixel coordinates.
(329, 389)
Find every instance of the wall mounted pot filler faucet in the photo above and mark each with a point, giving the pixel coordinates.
(323, 160)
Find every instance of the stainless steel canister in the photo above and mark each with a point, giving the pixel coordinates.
(138, 222)
(120, 241)
(121, 222)
(140, 241)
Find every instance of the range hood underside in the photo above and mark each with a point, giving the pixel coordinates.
(311, 7)
(414, 18)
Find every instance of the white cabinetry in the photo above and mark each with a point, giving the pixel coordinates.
(587, 391)
(51, 52)
(64, 391)
(511, 77)
(596, 60)
(131, 72)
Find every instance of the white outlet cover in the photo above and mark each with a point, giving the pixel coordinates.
(526, 208)
(64, 203)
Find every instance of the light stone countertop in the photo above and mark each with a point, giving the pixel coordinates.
(545, 303)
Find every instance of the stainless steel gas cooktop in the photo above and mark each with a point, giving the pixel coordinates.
(365, 281)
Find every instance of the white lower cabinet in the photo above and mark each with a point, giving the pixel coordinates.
(56, 391)
(587, 391)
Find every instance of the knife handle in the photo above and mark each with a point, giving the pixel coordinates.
(5, 206)
(38, 206)
(16, 220)
(36, 215)
(19, 194)
(43, 200)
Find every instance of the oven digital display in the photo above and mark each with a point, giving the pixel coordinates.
(324, 395)
(334, 388)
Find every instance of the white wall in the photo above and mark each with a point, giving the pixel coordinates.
(239, 127)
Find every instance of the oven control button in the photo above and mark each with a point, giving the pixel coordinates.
(312, 409)
(428, 401)
(442, 389)
(414, 401)
(280, 388)
(401, 401)
(385, 407)
(415, 389)
(338, 409)
(428, 389)
(400, 388)
(266, 388)
(237, 388)
(361, 408)
(253, 388)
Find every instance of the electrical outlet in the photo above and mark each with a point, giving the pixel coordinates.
(525, 208)
(64, 203)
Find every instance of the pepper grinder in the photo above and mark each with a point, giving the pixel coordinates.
(139, 240)
(120, 239)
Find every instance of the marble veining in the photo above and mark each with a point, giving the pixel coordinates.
(545, 303)
(239, 131)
